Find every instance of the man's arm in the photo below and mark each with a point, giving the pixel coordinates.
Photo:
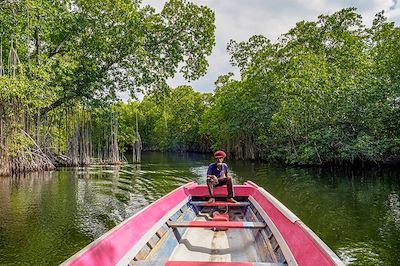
(210, 174)
(226, 170)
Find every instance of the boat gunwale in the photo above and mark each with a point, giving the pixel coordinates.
(279, 205)
(314, 237)
(295, 220)
(254, 191)
(290, 259)
(98, 241)
(135, 249)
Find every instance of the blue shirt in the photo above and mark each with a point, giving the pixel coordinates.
(213, 170)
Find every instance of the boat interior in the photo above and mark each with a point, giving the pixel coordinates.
(214, 233)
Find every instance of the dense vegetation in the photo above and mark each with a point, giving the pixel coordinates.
(327, 92)
(62, 62)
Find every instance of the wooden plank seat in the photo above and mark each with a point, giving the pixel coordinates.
(214, 196)
(217, 224)
(219, 203)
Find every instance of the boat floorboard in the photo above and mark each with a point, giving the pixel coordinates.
(202, 244)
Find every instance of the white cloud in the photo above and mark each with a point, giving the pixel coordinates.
(240, 19)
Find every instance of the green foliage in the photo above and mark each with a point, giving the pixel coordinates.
(171, 120)
(326, 92)
(62, 63)
(127, 123)
(89, 49)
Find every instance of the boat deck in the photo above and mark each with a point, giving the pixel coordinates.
(194, 235)
(183, 229)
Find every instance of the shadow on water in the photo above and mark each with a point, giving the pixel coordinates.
(47, 217)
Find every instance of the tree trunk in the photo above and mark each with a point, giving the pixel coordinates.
(37, 45)
(1, 56)
(137, 146)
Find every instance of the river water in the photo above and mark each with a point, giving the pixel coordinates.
(47, 217)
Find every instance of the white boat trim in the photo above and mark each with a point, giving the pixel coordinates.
(294, 219)
(98, 240)
(125, 260)
(291, 261)
(282, 208)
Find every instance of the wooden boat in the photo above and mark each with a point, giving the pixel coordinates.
(183, 229)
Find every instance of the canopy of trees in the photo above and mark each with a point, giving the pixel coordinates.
(326, 92)
(61, 60)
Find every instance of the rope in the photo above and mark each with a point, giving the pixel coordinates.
(227, 208)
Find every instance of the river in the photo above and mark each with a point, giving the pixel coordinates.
(46, 217)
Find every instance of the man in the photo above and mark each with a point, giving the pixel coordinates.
(217, 175)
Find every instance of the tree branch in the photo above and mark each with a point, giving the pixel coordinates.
(58, 48)
(54, 105)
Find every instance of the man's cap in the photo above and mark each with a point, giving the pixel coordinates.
(219, 154)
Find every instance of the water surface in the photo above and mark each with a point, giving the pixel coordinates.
(47, 217)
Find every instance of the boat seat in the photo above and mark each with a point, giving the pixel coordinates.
(217, 224)
(214, 196)
(219, 203)
(203, 263)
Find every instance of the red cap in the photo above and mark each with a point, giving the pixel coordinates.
(219, 154)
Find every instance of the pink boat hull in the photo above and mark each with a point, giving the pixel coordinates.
(121, 245)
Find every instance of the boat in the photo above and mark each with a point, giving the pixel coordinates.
(183, 229)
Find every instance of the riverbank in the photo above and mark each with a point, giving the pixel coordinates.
(63, 162)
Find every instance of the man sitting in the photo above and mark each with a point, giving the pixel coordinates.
(217, 175)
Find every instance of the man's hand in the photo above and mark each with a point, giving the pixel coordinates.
(213, 178)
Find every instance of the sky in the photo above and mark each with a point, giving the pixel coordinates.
(241, 19)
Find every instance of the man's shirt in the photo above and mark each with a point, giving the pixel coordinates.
(213, 170)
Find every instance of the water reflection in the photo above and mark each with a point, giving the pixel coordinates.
(393, 213)
(354, 212)
(47, 217)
